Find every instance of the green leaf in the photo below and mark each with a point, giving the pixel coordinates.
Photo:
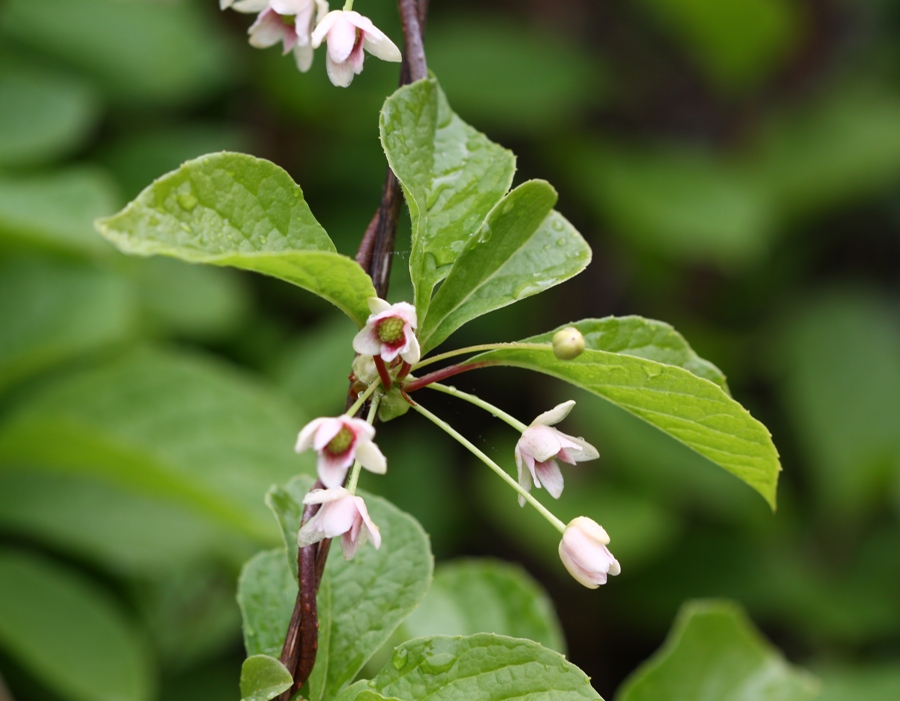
(178, 55)
(714, 653)
(263, 678)
(452, 175)
(372, 593)
(68, 633)
(642, 338)
(55, 310)
(171, 424)
(45, 113)
(689, 408)
(479, 668)
(236, 210)
(524, 247)
(481, 596)
(56, 211)
(287, 504)
(267, 591)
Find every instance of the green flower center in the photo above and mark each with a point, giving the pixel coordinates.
(341, 442)
(390, 330)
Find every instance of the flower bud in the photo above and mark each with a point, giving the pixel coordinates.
(364, 369)
(584, 553)
(568, 343)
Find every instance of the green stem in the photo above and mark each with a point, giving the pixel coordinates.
(357, 465)
(362, 399)
(478, 349)
(542, 510)
(348, 5)
(478, 401)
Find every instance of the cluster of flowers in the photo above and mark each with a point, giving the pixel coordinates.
(389, 340)
(302, 25)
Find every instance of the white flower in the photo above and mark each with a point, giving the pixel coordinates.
(389, 331)
(584, 553)
(287, 21)
(347, 34)
(540, 446)
(342, 514)
(339, 441)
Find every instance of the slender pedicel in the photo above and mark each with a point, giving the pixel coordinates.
(362, 399)
(357, 465)
(559, 525)
(479, 349)
(478, 401)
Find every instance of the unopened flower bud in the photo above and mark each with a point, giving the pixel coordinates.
(568, 343)
(364, 369)
(584, 553)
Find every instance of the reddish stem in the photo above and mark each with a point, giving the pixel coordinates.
(444, 373)
(383, 373)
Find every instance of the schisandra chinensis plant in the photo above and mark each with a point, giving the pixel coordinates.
(311, 622)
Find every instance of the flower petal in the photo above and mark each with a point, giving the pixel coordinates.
(366, 342)
(413, 352)
(555, 415)
(371, 458)
(327, 430)
(378, 305)
(333, 471)
(540, 442)
(324, 26)
(292, 7)
(373, 531)
(303, 55)
(549, 476)
(380, 46)
(247, 6)
(267, 30)
(323, 496)
(341, 39)
(340, 74)
(306, 435)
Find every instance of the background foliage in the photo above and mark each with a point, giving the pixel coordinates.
(735, 168)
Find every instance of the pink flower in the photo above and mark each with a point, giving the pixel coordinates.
(287, 21)
(389, 331)
(347, 34)
(584, 553)
(342, 514)
(339, 441)
(540, 446)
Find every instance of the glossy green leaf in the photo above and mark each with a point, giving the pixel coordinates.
(452, 175)
(642, 338)
(236, 210)
(478, 668)
(486, 596)
(45, 113)
(693, 410)
(181, 426)
(263, 678)
(372, 593)
(178, 55)
(54, 310)
(524, 247)
(56, 211)
(714, 653)
(267, 591)
(69, 633)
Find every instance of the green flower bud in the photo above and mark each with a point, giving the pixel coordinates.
(568, 343)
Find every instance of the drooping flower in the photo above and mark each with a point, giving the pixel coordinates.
(287, 21)
(339, 441)
(389, 331)
(540, 446)
(347, 34)
(342, 514)
(584, 553)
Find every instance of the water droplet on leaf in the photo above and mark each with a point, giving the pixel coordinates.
(186, 201)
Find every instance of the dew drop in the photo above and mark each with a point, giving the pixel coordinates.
(399, 658)
(186, 201)
(558, 225)
(561, 241)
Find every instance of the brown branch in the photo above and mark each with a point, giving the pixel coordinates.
(375, 255)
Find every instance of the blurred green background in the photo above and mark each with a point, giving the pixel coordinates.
(733, 163)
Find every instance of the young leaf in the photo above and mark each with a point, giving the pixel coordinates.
(477, 668)
(713, 653)
(178, 425)
(452, 176)
(480, 596)
(263, 678)
(642, 338)
(69, 633)
(693, 410)
(372, 593)
(240, 211)
(266, 595)
(524, 247)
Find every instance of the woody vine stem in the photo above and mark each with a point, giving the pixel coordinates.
(375, 254)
